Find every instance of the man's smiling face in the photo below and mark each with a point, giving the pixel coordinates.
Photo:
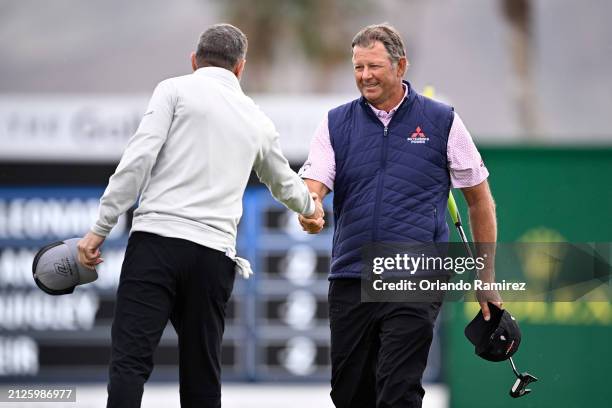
(378, 79)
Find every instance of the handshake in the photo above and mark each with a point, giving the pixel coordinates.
(314, 223)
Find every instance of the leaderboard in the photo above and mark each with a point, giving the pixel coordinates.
(276, 326)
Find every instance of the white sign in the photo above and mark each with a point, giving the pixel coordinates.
(97, 128)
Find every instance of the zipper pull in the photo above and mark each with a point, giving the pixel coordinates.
(385, 132)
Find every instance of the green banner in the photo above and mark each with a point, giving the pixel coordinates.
(542, 195)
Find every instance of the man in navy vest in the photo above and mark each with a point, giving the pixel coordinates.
(390, 157)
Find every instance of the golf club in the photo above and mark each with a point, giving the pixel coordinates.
(519, 388)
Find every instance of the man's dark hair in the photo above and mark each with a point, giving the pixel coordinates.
(386, 34)
(222, 45)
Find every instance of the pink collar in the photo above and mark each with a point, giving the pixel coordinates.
(381, 113)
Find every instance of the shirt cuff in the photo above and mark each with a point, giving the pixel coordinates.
(99, 230)
(468, 177)
(310, 207)
(309, 172)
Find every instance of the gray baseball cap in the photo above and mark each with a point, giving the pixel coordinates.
(57, 270)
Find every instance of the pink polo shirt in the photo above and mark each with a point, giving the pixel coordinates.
(465, 165)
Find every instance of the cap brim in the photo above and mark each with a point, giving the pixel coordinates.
(476, 329)
(479, 330)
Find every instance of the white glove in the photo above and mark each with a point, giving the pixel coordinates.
(243, 267)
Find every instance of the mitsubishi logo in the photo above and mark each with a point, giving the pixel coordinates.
(418, 136)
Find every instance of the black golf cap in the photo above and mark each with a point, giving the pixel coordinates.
(497, 339)
(56, 268)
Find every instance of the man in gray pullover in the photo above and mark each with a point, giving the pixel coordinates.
(189, 162)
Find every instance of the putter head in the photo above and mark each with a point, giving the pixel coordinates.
(520, 385)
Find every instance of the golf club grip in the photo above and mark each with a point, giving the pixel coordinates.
(454, 212)
(452, 209)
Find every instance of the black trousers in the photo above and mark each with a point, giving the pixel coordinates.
(378, 350)
(169, 279)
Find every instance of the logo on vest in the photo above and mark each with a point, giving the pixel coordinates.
(418, 136)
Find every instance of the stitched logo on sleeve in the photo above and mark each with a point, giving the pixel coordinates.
(304, 168)
(418, 136)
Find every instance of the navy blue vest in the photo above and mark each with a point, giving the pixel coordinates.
(391, 182)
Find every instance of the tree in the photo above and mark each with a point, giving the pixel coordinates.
(518, 14)
(320, 29)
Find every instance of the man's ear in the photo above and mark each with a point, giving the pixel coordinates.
(402, 66)
(194, 62)
(239, 68)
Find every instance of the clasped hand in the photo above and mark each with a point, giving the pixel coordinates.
(314, 223)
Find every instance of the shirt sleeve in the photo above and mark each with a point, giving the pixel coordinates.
(272, 169)
(138, 158)
(321, 162)
(464, 162)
